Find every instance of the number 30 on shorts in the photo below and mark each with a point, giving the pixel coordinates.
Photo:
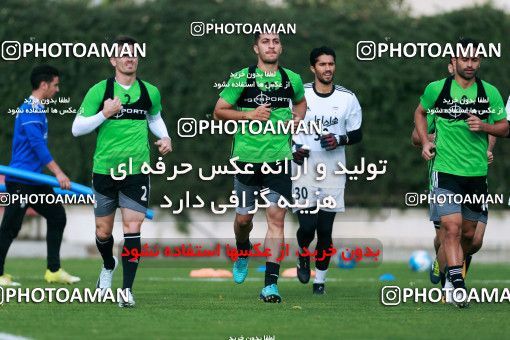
(300, 193)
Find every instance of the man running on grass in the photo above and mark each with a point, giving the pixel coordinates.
(269, 92)
(122, 109)
(466, 109)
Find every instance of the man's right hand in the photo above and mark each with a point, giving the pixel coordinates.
(261, 113)
(111, 107)
(428, 151)
(63, 181)
(299, 153)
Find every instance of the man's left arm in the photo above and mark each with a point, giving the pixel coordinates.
(299, 100)
(157, 125)
(498, 115)
(352, 126)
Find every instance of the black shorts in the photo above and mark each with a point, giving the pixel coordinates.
(459, 194)
(15, 209)
(132, 193)
(279, 182)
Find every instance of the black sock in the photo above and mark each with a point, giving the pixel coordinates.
(307, 226)
(243, 246)
(130, 263)
(55, 230)
(455, 277)
(272, 272)
(468, 262)
(105, 248)
(443, 279)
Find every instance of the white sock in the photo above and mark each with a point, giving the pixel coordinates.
(320, 276)
(448, 293)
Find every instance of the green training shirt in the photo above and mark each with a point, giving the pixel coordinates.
(118, 140)
(259, 148)
(460, 151)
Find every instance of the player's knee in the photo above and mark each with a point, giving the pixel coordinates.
(468, 235)
(451, 230)
(275, 218)
(103, 230)
(276, 224)
(306, 231)
(132, 226)
(324, 242)
(103, 234)
(476, 244)
(323, 234)
(58, 220)
(244, 221)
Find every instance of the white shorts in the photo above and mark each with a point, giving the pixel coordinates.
(309, 196)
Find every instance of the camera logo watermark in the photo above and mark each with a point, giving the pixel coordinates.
(394, 295)
(24, 199)
(62, 295)
(15, 50)
(413, 199)
(199, 28)
(370, 50)
(5, 199)
(190, 127)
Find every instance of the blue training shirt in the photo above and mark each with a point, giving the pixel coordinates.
(30, 143)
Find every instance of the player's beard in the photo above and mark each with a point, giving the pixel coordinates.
(269, 60)
(321, 79)
(463, 74)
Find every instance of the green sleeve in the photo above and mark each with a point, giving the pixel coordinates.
(93, 99)
(429, 96)
(297, 86)
(155, 97)
(233, 91)
(497, 106)
(431, 126)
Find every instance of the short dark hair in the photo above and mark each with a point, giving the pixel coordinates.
(318, 51)
(125, 39)
(42, 73)
(464, 42)
(256, 36)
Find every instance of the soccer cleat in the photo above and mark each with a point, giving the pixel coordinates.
(460, 300)
(435, 276)
(106, 276)
(303, 269)
(6, 280)
(60, 276)
(240, 270)
(449, 296)
(270, 294)
(130, 302)
(319, 289)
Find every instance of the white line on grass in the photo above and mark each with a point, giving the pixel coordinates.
(333, 279)
(253, 279)
(7, 336)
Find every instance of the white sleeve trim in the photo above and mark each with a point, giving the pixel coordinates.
(157, 125)
(83, 125)
(507, 108)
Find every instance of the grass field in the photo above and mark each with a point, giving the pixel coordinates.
(170, 305)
